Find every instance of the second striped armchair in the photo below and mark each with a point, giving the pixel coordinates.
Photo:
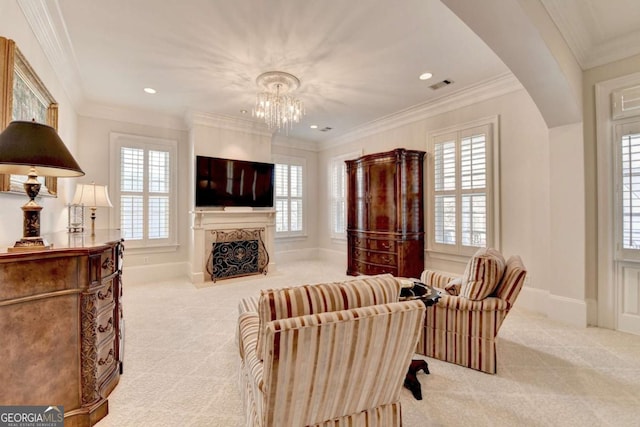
(462, 330)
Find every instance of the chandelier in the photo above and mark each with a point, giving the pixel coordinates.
(274, 105)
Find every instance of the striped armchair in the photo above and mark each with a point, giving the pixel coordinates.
(464, 331)
(332, 354)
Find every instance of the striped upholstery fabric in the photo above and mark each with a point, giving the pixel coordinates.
(483, 272)
(463, 331)
(382, 416)
(247, 305)
(331, 365)
(437, 279)
(512, 280)
(284, 303)
(324, 369)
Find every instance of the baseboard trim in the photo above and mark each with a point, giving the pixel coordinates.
(563, 309)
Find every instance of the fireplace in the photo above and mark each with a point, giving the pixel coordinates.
(227, 230)
(237, 253)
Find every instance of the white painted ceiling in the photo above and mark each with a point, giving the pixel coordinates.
(357, 61)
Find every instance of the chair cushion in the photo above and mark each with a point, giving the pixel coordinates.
(275, 304)
(453, 287)
(512, 280)
(482, 275)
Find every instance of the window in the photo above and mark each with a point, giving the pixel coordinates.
(338, 188)
(289, 193)
(628, 177)
(462, 196)
(144, 189)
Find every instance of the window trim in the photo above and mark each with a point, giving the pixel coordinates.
(293, 161)
(339, 159)
(118, 140)
(493, 186)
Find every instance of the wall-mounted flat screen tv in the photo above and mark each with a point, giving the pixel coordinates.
(227, 182)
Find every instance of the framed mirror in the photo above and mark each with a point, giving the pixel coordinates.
(23, 96)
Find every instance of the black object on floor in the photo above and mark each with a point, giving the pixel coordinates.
(411, 380)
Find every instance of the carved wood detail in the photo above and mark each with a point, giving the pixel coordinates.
(89, 351)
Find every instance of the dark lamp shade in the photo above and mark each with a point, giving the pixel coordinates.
(25, 145)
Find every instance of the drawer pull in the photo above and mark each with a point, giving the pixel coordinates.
(110, 358)
(106, 295)
(106, 328)
(387, 259)
(386, 245)
(108, 264)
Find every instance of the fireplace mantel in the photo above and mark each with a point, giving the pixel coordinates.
(204, 221)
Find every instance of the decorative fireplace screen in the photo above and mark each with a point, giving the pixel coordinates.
(237, 253)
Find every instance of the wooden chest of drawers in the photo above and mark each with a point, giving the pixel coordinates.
(62, 326)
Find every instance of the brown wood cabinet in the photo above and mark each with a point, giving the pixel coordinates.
(61, 325)
(385, 213)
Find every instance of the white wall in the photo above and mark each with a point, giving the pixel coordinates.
(54, 214)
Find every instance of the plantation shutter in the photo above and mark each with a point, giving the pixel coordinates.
(289, 189)
(630, 190)
(460, 191)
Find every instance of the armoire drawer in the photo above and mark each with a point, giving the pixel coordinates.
(375, 257)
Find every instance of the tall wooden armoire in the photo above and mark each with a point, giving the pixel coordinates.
(385, 213)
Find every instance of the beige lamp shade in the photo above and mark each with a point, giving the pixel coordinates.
(92, 196)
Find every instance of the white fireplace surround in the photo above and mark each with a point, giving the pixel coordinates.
(228, 219)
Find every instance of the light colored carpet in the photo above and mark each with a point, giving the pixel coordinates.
(181, 365)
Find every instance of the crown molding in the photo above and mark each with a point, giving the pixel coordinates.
(488, 89)
(298, 144)
(132, 115)
(198, 118)
(588, 53)
(46, 21)
(613, 50)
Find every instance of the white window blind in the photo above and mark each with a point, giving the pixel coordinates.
(289, 193)
(147, 211)
(461, 192)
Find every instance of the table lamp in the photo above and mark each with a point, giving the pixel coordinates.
(33, 149)
(93, 196)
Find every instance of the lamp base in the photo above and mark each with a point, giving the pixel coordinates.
(29, 244)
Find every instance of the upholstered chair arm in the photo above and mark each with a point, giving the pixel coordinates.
(464, 304)
(437, 279)
(248, 337)
(327, 365)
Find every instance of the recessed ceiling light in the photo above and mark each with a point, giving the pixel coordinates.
(314, 126)
(425, 76)
(243, 111)
(150, 90)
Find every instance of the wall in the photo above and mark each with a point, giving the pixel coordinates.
(54, 214)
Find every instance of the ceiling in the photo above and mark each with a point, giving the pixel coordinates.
(356, 65)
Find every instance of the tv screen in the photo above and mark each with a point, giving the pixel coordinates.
(227, 182)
